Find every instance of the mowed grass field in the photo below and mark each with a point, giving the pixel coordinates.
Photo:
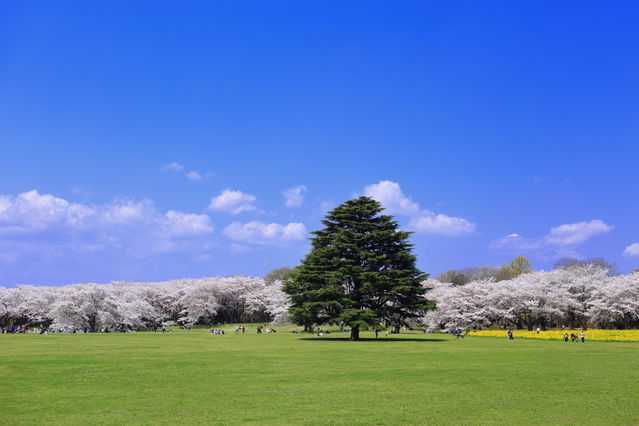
(193, 377)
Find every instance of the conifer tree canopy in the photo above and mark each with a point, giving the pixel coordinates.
(360, 272)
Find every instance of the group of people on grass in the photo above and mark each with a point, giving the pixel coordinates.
(241, 329)
(574, 338)
(73, 330)
(268, 330)
(321, 332)
(13, 329)
(458, 334)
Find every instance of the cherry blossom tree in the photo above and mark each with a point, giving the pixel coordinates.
(616, 305)
(526, 301)
(132, 308)
(565, 295)
(200, 302)
(577, 296)
(458, 307)
(84, 305)
(578, 284)
(269, 300)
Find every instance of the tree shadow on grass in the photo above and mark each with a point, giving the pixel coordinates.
(371, 339)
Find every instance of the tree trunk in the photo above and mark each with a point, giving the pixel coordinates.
(354, 333)
(93, 322)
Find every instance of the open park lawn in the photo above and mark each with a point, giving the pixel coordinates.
(193, 377)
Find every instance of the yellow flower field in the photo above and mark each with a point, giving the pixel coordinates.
(597, 335)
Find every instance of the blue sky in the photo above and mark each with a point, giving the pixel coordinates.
(155, 140)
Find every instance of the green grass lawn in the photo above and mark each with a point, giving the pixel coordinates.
(193, 377)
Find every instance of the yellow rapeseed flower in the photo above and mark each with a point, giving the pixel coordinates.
(594, 334)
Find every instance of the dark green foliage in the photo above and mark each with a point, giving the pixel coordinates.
(360, 272)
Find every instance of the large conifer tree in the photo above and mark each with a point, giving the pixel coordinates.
(360, 272)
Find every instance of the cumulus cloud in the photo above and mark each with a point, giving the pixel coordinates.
(233, 202)
(392, 198)
(257, 232)
(171, 166)
(575, 233)
(390, 195)
(185, 224)
(124, 211)
(295, 196)
(31, 212)
(441, 224)
(632, 250)
(561, 240)
(193, 176)
(43, 220)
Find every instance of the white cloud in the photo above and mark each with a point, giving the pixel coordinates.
(632, 250)
(183, 224)
(36, 212)
(392, 198)
(575, 233)
(43, 223)
(441, 224)
(199, 176)
(5, 206)
(124, 211)
(193, 176)
(234, 202)
(560, 241)
(257, 232)
(390, 195)
(171, 166)
(295, 196)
